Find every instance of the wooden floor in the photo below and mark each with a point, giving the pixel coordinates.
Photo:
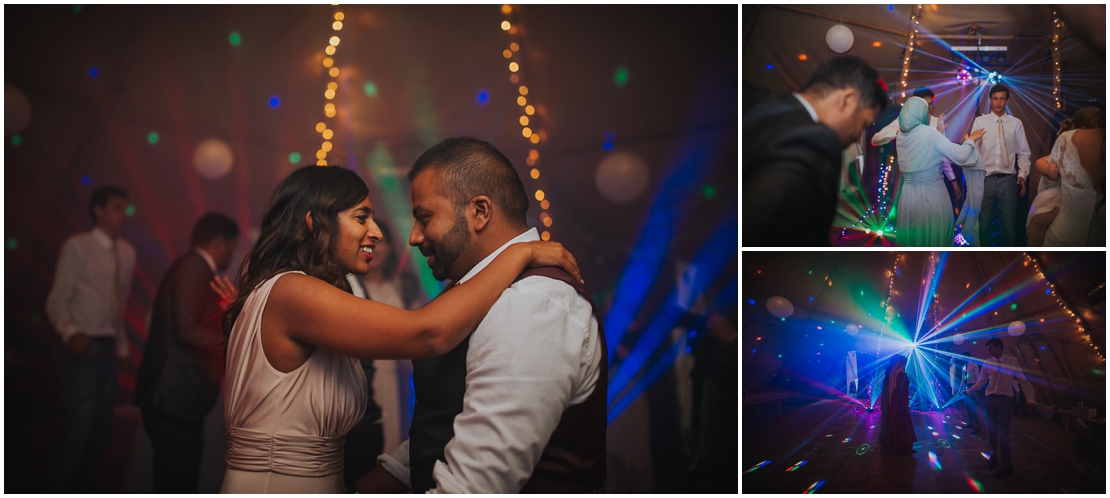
(832, 447)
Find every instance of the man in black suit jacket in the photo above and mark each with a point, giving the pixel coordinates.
(792, 152)
(179, 377)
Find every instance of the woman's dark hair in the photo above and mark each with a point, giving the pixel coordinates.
(286, 244)
(1087, 117)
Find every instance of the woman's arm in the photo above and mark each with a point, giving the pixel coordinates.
(307, 310)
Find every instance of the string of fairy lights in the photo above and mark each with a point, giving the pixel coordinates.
(1057, 28)
(915, 21)
(1029, 259)
(326, 132)
(529, 129)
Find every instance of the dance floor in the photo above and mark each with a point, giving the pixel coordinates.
(833, 447)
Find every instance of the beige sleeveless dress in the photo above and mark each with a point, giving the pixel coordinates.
(285, 430)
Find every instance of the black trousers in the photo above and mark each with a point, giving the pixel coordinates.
(89, 388)
(361, 449)
(177, 449)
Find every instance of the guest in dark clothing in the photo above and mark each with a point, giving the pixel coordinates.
(792, 148)
(183, 363)
(897, 432)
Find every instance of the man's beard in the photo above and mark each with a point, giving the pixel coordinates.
(447, 251)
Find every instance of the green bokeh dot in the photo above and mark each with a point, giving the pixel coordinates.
(152, 137)
(621, 76)
(16, 140)
(709, 191)
(234, 38)
(370, 89)
(12, 244)
(295, 157)
(130, 210)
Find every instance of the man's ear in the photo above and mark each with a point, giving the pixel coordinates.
(482, 207)
(847, 100)
(308, 220)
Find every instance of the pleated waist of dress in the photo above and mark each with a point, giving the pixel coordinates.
(290, 454)
(923, 177)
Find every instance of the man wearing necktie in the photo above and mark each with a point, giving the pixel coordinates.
(1004, 138)
(85, 306)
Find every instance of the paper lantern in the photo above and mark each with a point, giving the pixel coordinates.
(212, 159)
(622, 177)
(17, 110)
(958, 339)
(1016, 328)
(839, 38)
(780, 307)
(852, 329)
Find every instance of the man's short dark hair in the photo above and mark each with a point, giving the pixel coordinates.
(924, 92)
(995, 341)
(100, 198)
(999, 88)
(849, 72)
(213, 225)
(469, 168)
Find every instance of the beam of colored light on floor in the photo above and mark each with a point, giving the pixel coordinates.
(862, 449)
(758, 465)
(795, 466)
(934, 461)
(846, 440)
(709, 261)
(944, 443)
(975, 486)
(955, 436)
(813, 487)
(985, 456)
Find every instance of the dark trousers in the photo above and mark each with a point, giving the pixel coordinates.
(89, 388)
(177, 446)
(1021, 404)
(974, 405)
(361, 449)
(1003, 191)
(999, 410)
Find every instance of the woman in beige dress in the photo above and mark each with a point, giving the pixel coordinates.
(295, 332)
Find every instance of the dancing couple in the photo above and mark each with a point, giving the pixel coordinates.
(510, 370)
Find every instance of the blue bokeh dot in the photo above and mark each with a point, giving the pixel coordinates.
(770, 66)
(483, 97)
(607, 145)
(275, 102)
(86, 180)
(93, 72)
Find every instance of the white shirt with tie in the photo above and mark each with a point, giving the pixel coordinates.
(81, 299)
(998, 154)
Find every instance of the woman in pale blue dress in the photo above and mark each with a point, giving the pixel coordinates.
(924, 208)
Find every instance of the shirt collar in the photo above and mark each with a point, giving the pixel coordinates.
(102, 238)
(806, 104)
(207, 259)
(531, 235)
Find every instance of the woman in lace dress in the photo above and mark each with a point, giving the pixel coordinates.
(1080, 156)
(295, 332)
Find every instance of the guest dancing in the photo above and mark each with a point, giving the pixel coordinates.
(294, 385)
(897, 434)
(1080, 156)
(924, 208)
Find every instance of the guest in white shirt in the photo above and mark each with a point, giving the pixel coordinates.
(489, 412)
(1004, 138)
(85, 306)
(890, 132)
(1002, 371)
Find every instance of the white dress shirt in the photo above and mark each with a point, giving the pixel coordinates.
(1002, 374)
(534, 355)
(208, 259)
(890, 132)
(990, 147)
(81, 298)
(809, 108)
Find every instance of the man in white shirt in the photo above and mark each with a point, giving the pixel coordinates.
(85, 306)
(1001, 370)
(1004, 138)
(889, 133)
(489, 413)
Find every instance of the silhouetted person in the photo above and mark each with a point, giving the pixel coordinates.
(183, 363)
(1001, 371)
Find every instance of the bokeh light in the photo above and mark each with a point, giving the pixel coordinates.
(320, 127)
(524, 121)
(545, 236)
(333, 72)
(535, 173)
(328, 134)
(545, 204)
(329, 94)
(709, 191)
(275, 102)
(505, 25)
(521, 101)
(12, 244)
(334, 41)
(483, 96)
(529, 110)
(329, 62)
(130, 211)
(86, 180)
(539, 195)
(339, 16)
(234, 38)
(370, 89)
(505, 9)
(527, 132)
(94, 72)
(330, 50)
(337, 25)
(514, 67)
(523, 90)
(621, 76)
(514, 46)
(16, 140)
(326, 146)
(507, 53)
(294, 158)
(152, 137)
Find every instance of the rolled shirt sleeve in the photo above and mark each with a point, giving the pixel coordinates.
(520, 379)
(885, 135)
(397, 463)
